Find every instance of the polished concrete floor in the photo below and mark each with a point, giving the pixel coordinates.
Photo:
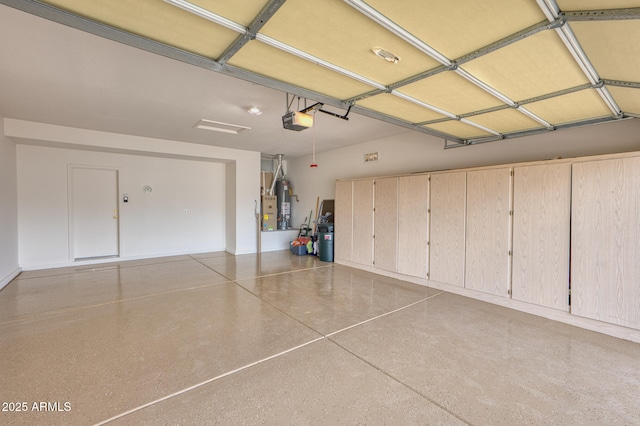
(282, 339)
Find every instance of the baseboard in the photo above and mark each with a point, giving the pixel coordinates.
(6, 280)
(114, 259)
(565, 317)
(244, 251)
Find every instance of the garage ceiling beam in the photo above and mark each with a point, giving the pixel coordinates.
(552, 11)
(531, 132)
(618, 83)
(256, 25)
(602, 15)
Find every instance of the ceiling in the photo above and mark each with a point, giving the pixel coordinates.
(468, 71)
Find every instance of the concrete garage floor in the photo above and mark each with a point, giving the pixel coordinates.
(282, 339)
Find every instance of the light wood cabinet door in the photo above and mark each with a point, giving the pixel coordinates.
(488, 229)
(343, 221)
(386, 224)
(363, 222)
(447, 248)
(541, 220)
(605, 241)
(413, 225)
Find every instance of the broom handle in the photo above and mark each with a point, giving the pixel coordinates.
(315, 225)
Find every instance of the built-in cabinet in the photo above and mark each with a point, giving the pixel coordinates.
(447, 240)
(541, 220)
(362, 222)
(386, 224)
(557, 236)
(605, 241)
(343, 246)
(488, 231)
(413, 225)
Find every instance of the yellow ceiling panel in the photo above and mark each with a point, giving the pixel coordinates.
(576, 5)
(538, 65)
(613, 47)
(505, 121)
(627, 99)
(576, 106)
(338, 34)
(156, 20)
(396, 107)
(455, 28)
(268, 61)
(239, 11)
(451, 92)
(458, 129)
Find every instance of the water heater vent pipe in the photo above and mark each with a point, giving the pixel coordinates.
(275, 175)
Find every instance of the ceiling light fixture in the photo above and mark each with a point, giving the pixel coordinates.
(218, 126)
(378, 17)
(254, 110)
(386, 55)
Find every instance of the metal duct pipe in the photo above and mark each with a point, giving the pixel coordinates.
(275, 175)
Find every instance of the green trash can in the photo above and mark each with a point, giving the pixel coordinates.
(325, 242)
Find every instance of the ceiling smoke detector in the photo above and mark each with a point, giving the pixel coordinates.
(386, 55)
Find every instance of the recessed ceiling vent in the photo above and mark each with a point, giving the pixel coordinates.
(218, 126)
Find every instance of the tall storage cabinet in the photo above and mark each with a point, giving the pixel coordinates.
(363, 222)
(343, 245)
(447, 253)
(541, 220)
(605, 241)
(386, 224)
(413, 225)
(557, 238)
(488, 229)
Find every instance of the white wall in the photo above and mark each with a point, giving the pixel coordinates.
(230, 200)
(416, 152)
(8, 210)
(152, 224)
(244, 187)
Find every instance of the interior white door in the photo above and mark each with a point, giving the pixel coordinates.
(94, 212)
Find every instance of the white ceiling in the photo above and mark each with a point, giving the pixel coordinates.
(60, 75)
